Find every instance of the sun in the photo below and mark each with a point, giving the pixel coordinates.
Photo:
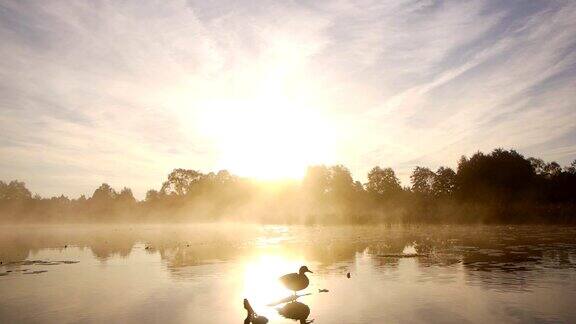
(268, 138)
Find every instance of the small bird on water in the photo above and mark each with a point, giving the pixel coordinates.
(296, 281)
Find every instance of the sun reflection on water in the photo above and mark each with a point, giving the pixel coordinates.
(261, 284)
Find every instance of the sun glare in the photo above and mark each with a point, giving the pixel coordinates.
(268, 138)
(261, 278)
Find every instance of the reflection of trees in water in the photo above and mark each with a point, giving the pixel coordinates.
(104, 251)
(522, 251)
(19, 243)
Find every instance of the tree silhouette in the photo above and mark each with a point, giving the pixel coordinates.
(340, 182)
(444, 183)
(538, 165)
(498, 176)
(572, 168)
(152, 195)
(126, 197)
(317, 181)
(104, 194)
(422, 180)
(552, 169)
(180, 182)
(14, 191)
(383, 182)
(500, 186)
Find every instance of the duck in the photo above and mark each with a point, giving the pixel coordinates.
(296, 281)
(251, 317)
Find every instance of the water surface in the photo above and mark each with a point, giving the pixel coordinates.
(202, 273)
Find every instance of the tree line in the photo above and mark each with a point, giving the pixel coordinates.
(497, 187)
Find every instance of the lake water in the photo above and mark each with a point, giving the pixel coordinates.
(202, 273)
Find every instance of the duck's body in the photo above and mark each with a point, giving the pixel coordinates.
(296, 281)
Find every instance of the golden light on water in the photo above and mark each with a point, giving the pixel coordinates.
(261, 284)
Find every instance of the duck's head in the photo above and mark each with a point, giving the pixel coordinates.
(304, 269)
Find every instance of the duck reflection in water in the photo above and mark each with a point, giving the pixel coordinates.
(296, 311)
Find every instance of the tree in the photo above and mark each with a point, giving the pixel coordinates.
(422, 180)
(538, 165)
(3, 190)
(340, 181)
(225, 177)
(104, 193)
(181, 181)
(383, 182)
(499, 176)
(14, 191)
(444, 182)
(358, 187)
(219, 183)
(552, 169)
(317, 180)
(126, 197)
(572, 168)
(152, 195)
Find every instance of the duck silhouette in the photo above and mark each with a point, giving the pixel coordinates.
(296, 281)
(252, 317)
(296, 311)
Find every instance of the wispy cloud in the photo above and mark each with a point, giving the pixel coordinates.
(113, 91)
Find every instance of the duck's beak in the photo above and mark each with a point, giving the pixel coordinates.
(309, 271)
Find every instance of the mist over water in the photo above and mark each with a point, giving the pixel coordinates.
(201, 273)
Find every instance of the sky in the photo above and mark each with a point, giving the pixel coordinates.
(123, 92)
